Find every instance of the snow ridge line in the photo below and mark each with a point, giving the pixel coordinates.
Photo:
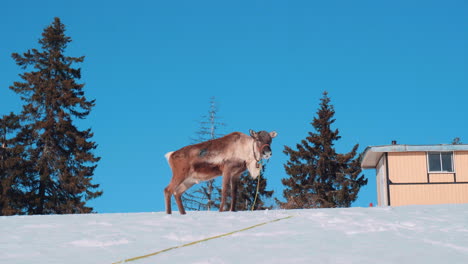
(201, 240)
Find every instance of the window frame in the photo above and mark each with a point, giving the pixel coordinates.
(440, 160)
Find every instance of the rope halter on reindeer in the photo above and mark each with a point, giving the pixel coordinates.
(258, 160)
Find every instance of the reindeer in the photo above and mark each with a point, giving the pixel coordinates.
(228, 156)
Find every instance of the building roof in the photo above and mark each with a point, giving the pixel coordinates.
(372, 154)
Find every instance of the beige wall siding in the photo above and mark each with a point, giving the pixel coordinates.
(407, 167)
(441, 177)
(428, 194)
(461, 165)
(411, 167)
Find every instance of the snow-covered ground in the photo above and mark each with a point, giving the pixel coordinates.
(413, 234)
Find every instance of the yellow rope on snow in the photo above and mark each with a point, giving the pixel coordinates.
(202, 240)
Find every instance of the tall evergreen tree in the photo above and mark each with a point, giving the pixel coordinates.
(61, 155)
(318, 176)
(206, 195)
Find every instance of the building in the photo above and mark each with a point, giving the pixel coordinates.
(426, 174)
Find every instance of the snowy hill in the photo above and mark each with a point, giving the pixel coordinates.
(413, 234)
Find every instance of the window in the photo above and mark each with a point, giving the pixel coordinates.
(440, 161)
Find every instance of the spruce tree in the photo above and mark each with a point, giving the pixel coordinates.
(318, 176)
(60, 154)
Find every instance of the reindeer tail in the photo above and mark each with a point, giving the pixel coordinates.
(168, 155)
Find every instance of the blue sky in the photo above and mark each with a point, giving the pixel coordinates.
(394, 70)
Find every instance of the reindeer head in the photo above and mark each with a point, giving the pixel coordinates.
(263, 141)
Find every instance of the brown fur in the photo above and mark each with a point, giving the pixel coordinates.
(228, 156)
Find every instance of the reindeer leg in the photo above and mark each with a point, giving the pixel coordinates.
(226, 180)
(178, 198)
(179, 191)
(171, 189)
(234, 185)
(167, 197)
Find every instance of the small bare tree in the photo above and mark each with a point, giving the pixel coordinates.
(206, 195)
